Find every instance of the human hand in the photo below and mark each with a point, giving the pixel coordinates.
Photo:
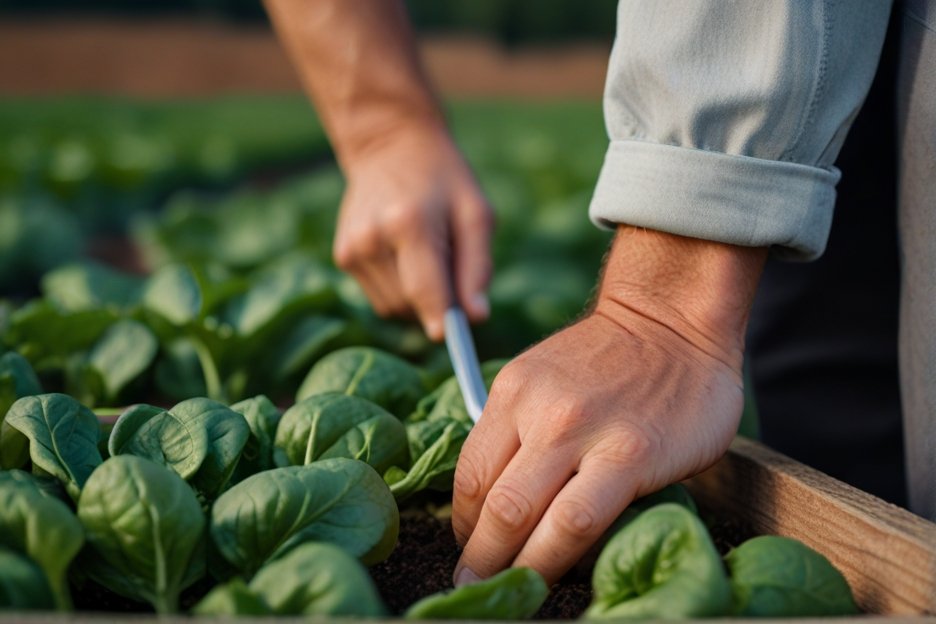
(645, 391)
(414, 228)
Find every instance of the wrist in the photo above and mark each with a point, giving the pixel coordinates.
(700, 290)
(375, 129)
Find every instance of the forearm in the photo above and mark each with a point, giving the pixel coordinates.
(358, 62)
(701, 290)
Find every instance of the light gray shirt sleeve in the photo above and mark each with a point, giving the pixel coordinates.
(725, 117)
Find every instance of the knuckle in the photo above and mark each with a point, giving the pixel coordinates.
(401, 220)
(576, 519)
(509, 507)
(510, 382)
(569, 411)
(357, 247)
(631, 446)
(468, 478)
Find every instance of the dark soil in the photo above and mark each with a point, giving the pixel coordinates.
(422, 564)
(425, 558)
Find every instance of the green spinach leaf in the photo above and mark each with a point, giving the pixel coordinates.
(342, 501)
(446, 401)
(317, 578)
(514, 594)
(304, 343)
(200, 439)
(231, 599)
(88, 285)
(262, 418)
(17, 379)
(48, 336)
(63, 437)
(371, 374)
(278, 290)
(178, 373)
(661, 565)
(773, 576)
(144, 526)
(173, 292)
(22, 584)
(439, 443)
(227, 432)
(41, 527)
(337, 425)
(123, 353)
(161, 436)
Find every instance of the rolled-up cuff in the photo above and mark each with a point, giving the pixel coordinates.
(715, 196)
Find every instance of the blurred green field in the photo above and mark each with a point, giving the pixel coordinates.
(235, 199)
(242, 192)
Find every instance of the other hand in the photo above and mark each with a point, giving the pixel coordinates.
(414, 228)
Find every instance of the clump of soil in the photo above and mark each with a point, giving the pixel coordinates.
(425, 558)
(426, 554)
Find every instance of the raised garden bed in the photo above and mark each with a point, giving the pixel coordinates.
(887, 554)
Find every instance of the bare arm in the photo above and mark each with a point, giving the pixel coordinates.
(413, 214)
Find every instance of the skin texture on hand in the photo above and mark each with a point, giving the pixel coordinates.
(413, 219)
(644, 391)
(414, 228)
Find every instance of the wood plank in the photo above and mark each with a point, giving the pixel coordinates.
(887, 553)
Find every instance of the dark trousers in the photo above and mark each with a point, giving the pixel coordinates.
(822, 341)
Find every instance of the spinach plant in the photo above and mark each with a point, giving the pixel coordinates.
(773, 576)
(231, 599)
(337, 425)
(314, 578)
(145, 531)
(199, 439)
(41, 527)
(436, 430)
(177, 309)
(262, 420)
(372, 374)
(434, 466)
(514, 594)
(63, 437)
(17, 379)
(121, 355)
(342, 501)
(89, 285)
(22, 584)
(661, 565)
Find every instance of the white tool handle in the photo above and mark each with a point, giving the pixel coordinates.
(465, 361)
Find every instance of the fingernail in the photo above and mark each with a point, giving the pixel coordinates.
(465, 576)
(481, 305)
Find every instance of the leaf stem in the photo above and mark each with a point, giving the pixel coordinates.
(210, 371)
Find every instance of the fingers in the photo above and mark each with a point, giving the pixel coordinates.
(489, 448)
(473, 224)
(580, 513)
(511, 510)
(422, 266)
(408, 256)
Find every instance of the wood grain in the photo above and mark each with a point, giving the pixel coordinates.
(887, 553)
